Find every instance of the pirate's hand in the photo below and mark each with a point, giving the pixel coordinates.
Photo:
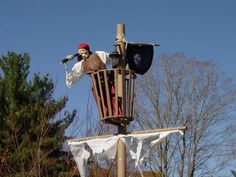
(69, 57)
(69, 79)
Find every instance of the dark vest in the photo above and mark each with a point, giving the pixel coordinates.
(92, 64)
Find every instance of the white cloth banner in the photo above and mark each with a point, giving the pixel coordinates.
(106, 148)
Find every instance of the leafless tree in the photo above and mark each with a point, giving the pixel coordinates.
(184, 91)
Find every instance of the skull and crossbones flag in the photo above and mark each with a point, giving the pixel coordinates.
(139, 57)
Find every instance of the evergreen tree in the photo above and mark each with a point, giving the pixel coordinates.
(31, 128)
(233, 173)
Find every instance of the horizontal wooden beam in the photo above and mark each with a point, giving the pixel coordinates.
(182, 128)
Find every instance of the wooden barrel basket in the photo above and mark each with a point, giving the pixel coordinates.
(114, 92)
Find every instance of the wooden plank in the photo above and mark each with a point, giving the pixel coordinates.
(101, 93)
(108, 96)
(182, 128)
(116, 92)
(123, 92)
(133, 94)
(129, 93)
(96, 95)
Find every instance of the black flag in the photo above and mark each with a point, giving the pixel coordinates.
(139, 57)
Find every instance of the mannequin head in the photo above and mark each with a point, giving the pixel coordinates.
(84, 50)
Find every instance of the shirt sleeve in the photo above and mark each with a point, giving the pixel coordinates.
(75, 75)
(104, 57)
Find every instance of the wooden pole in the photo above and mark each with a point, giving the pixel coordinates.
(121, 149)
(120, 43)
(121, 154)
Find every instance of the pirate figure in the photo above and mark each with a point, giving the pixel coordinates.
(89, 63)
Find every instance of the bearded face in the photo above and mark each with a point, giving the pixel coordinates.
(83, 53)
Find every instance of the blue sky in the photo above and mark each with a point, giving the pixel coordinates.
(49, 30)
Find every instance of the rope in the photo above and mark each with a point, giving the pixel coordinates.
(66, 67)
(120, 38)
